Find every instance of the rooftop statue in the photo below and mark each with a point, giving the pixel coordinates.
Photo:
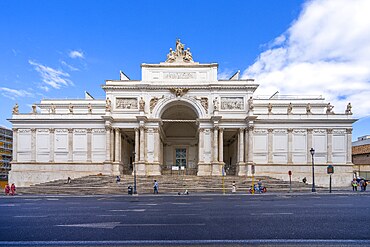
(16, 109)
(329, 109)
(349, 109)
(180, 54)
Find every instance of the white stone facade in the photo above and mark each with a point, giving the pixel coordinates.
(181, 118)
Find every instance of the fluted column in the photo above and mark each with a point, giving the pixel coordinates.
(241, 145)
(250, 144)
(329, 150)
(157, 145)
(137, 144)
(111, 144)
(89, 145)
(201, 145)
(33, 145)
(221, 146)
(142, 143)
(290, 146)
(309, 145)
(70, 145)
(215, 144)
(117, 144)
(349, 145)
(107, 146)
(52, 138)
(15, 144)
(270, 145)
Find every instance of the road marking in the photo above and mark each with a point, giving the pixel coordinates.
(111, 215)
(31, 199)
(148, 204)
(129, 225)
(333, 204)
(183, 214)
(30, 216)
(52, 199)
(8, 205)
(271, 213)
(285, 205)
(128, 210)
(181, 203)
(104, 225)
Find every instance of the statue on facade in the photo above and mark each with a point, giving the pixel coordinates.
(89, 108)
(308, 108)
(108, 105)
(179, 92)
(349, 109)
(179, 48)
(290, 108)
(16, 109)
(250, 104)
(141, 104)
(34, 109)
(269, 108)
(153, 102)
(204, 103)
(52, 109)
(171, 56)
(188, 57)
(70, 108)
(329, 109)
(215, 104)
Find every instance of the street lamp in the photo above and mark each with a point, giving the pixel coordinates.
(312, 151)
(135, 191)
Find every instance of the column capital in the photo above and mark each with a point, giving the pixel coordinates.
(349, 131)
(250, 128)
(309, 131)
(216, 128)
(221, 129)
(15, 129)
(201, 129)
(329, 131)
(33, 130)
(89, 130)
(117, 129)
(70, 130)
(241, 129)
(51, 130)
(290, 130)
(270, 130)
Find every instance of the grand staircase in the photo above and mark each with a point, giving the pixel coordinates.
(169, 184)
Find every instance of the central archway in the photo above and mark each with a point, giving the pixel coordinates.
(180, 141)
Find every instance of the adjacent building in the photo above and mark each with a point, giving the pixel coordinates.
(180, 116)
(361, 156)
(6, 147)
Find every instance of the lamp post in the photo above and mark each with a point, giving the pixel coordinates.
(312, 151)
(135, 191)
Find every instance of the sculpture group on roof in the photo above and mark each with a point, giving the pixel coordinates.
(180, 54)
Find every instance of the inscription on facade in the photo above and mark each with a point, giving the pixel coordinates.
(126, 103)
(179, 75)
(232, 103)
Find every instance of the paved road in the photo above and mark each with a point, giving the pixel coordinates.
(194, 219)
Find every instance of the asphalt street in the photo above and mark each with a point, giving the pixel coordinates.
(193, 219)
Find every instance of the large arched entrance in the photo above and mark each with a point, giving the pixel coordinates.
(180, 141)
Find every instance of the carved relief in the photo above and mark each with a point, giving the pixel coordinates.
(98, 130)
(179, 75)
(141, 104)
(179, 92)
(339, 131)
(61, 130)
(126, 103)
(42, 130)
(153, 102)
(79, 130)
(300, 131)
(319, 131)
(329, 131)
(204, 103)
(89, 108)
(250, 104)
(349, 131)
(232, 103)
(108, 105)
(290, 130)
(280, 131)
(260, 131)
(290, 109)
(24, 130)
(270, 130)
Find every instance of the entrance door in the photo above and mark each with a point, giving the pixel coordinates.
(180, 156)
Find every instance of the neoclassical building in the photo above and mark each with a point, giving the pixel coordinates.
(180, 118)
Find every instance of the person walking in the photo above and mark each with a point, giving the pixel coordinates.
(233, 190)
(155, 187)
(354, 185)
(7, 190)
(12, 190)
(365, 184)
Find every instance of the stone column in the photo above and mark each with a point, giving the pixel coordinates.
(270, 145)
(52, 148)
(89, 145)
(137, 144)
(107, 146)
(290, 146)
(349, 145)
(142, 144)
(15, 145)
(201, 145)
(309, 146)
(221, 146)
(250, 150)
(117, 145)
(33, 145)
(215, 145)
(242, 168)
(157, 145)
(111, 145)
(329, 150)
(70, 145)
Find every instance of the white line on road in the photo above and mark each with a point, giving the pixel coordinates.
(52, 199)
(181, 203)
(201, 224)
(128, 210)
(148, 204)
(30, 216)
(183, 214)
(111, 215)
(271, 213)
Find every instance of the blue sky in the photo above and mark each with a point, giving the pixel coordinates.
(59, 49)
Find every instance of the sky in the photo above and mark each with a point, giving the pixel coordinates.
(60, 49)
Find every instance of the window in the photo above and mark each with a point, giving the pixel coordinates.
(181, 157)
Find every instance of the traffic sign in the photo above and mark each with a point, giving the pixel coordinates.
(330, 169)
(290, 173)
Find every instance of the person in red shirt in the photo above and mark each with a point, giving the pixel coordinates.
(12, 190)
(7, 189)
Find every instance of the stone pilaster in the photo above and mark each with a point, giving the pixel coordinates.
(201, 145)
(157, 145)
(242, 168)
(33, 145)
(349, 145)
(142, 144)
(117, 145)
(290, 146)
(309, 145)
(250, 150)
(52, 148)
(70, 145)
(108, 140)
(111, 144)
(89, 145)
(215, 145)
(270, 145)
(137, 144)
(221, 146)
(15, 144)
(329, 136)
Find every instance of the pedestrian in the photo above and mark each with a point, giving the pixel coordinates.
(7, 190)
(155, 187)
(365, 184)
(69, 180)
(233, 189)
(259, 186)
(354, 185)
(12, 190)
(304, 180)
(118, 179)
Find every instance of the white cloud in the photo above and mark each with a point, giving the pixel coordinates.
(325, 52)
(76, 54)
(70, 67)
(51, 77)
(14, 93)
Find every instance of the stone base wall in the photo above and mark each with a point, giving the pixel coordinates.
(26, 174)
(342, 177)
